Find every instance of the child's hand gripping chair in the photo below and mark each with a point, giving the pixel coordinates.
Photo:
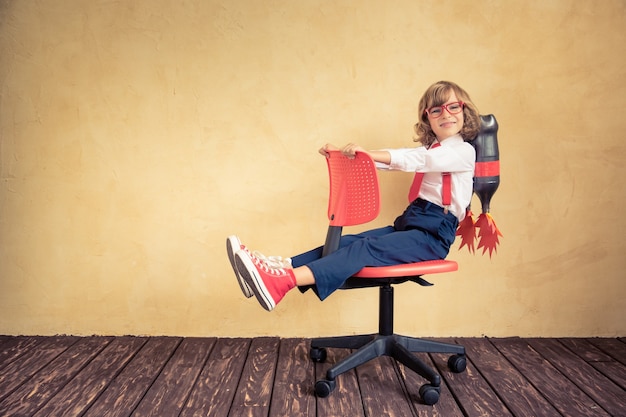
(354, 199)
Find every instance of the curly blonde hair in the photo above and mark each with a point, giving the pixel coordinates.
(436, 95)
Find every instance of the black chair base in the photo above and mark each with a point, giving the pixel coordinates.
(386, 343)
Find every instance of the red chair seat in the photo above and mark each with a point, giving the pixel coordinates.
(408, 270)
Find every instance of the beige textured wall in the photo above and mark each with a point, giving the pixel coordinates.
(136, 135)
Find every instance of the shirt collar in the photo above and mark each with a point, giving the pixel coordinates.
(452, 139)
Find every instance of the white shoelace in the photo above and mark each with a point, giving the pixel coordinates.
(272, 264)
(277, 262)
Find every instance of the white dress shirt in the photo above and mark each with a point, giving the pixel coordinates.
(454, 156)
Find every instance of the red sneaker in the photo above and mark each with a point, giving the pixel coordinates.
(234, 245)
(268, 282)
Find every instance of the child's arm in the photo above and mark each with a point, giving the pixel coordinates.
(350, 149)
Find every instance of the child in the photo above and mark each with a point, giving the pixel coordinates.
(426, 229)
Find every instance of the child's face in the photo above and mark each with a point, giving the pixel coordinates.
(447, 124)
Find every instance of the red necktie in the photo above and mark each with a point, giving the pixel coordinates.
(446, 190)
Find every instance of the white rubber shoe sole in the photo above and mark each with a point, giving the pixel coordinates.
(233, 245)
(248, 271)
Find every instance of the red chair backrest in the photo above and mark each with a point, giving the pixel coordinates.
(354, 194)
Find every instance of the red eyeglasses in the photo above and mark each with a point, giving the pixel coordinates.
(452, 108)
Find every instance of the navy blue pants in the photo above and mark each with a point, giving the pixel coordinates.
(423, 232)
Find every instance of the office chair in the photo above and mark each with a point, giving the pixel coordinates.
(355, 199)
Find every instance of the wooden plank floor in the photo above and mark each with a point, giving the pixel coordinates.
(168, 376)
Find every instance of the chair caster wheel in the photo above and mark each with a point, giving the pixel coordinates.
(318, 354)
(324, 387)
(429, 394)
(457, 363)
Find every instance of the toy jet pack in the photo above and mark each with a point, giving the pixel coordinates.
(486, 182)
